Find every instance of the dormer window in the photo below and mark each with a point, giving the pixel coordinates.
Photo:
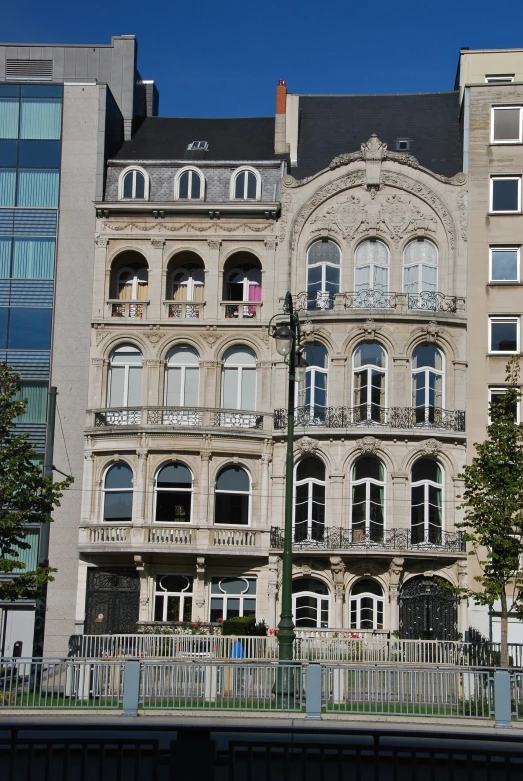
(402, 144)
(499, 78)
(133, 185)
(246, 185)
(201, 146)
(189, 184)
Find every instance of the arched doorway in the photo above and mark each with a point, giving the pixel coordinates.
(427, 610)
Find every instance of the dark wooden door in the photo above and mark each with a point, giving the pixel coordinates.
(112, 600)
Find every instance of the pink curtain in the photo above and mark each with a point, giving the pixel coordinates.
(255, 293)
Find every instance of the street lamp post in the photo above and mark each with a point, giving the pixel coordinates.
(287, 344)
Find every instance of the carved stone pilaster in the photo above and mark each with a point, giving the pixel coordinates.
(158, 243)
(101, 242)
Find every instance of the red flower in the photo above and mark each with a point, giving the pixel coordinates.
(220, 620)
(195, 626)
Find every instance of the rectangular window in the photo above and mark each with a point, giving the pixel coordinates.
(8, 153)
(495, 394)
(29, 329)
(41, 118)
(38, 189)
(39, 154)
(7, 187)
(231, 597)
(173, 597)
(4, 312)
(35, 394)
(504, 264)
(9, 117)
(505, 124)
(504, 334)
(499, 78)
(505, 194)
(5, 257)
(33, 259)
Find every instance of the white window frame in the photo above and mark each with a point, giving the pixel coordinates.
(247, 281)
(182, 594)
(309, 482)
(498, 390)
(426, 484)
(500, 78)
(239, 171)
(371, 266)
(355, 603)
(193, 171)
(183, 367)
(507, 248)
(121, 180)
(367, 367)
(323, 296)
(238, 493)
(419, 265)
(311, 372)
(504, 178)
(189, 283)
(426, 370)
(181, 524)
(517, 140)
(134, 283)
(504, 319)
(239, 368)
(114, 491)
(126, 376)
(367, 481)
(318, 598)
(225, 596)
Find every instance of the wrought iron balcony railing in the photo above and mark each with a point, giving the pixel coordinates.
(180, 416)
(366, 415)
(337, 538)
(429, 301)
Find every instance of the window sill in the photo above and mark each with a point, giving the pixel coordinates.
(502, 354)
(506, 143)
(505, 283)
(505, 214)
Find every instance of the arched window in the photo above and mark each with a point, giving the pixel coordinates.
(426, 515)
(125, 377)
(368, 499)
(246, 185)
(239, 379)
(232, 496)
(420, 274)
(309, 504)
(311, 600)
(427, 384)
(132, 283)
(243, 284)
(173, 598)
(134, 185)
(118, 494)
(312, 394)
(323, 274)
(366, 605)
(187, 283)
(369, 383)
(173, 490)
(371, 273)
(189, 185)
(182, 377)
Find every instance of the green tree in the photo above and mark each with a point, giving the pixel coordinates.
(25, 496)
(493, 502)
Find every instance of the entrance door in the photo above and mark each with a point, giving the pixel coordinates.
(18, 627)
(427, 612)
(112, 601)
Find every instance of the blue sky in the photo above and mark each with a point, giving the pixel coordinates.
(224, 57)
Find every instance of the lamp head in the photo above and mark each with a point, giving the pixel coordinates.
(301, 365)
(284, 340)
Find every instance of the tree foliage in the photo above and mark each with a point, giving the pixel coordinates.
(26, 496)
(493, 502)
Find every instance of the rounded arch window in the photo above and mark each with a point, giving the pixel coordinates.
(239, 379)
(420, 274)
(309, 502)
(369, 383)
(125, 382)
(232, 597)
(232, 496)
(187, 283)
(134, 185)
(173, 489)
(367, 500)
(426, 515)
(242, 282)
(246, 185)
(311, 602)
(312, 392)
(323, 274)
(118, 494)
(182, 372)
(366, 605)
(371, 274)
(173, 596)
(132, 282)
(190, 185)
(428, 379)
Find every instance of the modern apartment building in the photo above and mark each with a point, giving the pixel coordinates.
(63, 111)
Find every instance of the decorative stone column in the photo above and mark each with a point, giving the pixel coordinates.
(203, 511)
(272, 618)
(140, 491)
(81, 588)
(266, 460)
(400, 500)
(145, 611)
(338, 381)
(213, 281)
(98, 383)
(338, 578)
(199, 590)
(395, 572)
(87, 485)
(210, 383)
(402, 384)
(153, 382)
(156, 294)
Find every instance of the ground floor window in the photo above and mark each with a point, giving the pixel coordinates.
(231, 597)
(173, 598)
(311, 601)
(366, 605)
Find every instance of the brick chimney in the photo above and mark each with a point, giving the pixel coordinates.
(281, 146)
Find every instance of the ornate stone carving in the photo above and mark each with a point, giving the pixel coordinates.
(101, 242)
(338, 574)
(142, 452)
(101, 332)
(431, 330)
(430, 447)
(369, 328)
(461, 203)
(144, 601)
(396, 570)
(307, 446)
(214, 243)
(368, 445)
(210, 335)
(271, 243)
(152, 363)
(346, 217)
(399, 216)
(158, 243)
(209, 364)
(286, 200)
(462, 574)
(97, 361)
(153, 333)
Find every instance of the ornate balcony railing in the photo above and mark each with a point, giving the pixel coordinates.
(134, 310)
(429, 301)
(236, 310)
(337, 538)
(180, 416)
(373, 415)
(145, 536)
(185, 310)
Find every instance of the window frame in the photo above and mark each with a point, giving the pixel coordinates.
(105, 491)
(315, 410)
(367, 481)
(500, 248)
(193, 171)
(225, 596)
(239, 367)
(311, 522)
(419, 265)
(236, 493)
(372, 266)
(500, 390)
(123, 174)
(368, 368)
(126, 377)
(322, 299)
(517, 140)
(355, 604)
(181, 524)
(426, 502)
(500, 78)
(183, 367)
(165, 594)
(426, 370)
(504, 177)
(319, 607)
(236, 173)
(504, 318)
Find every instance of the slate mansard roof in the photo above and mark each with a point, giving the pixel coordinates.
(167, 138)
(333, 124)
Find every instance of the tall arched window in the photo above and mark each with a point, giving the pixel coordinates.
(246, 185)
(312, 393)
(427, 384)
(118, 494)
(243, 284)
(426, 516)
(371, 273)
(173, 490)
(323, 274)
(368, 499)
(311, 601)
(182, 377)
(420, 274)
(189, 184)
(232, 496)
(239, 379)
(134, 185)
(366, 605)
(309, 505)
(187, 283)
(133, 283)
(369, 383)
(125, 377)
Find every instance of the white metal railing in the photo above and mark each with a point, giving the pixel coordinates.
(134, 310)
(185, 310)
